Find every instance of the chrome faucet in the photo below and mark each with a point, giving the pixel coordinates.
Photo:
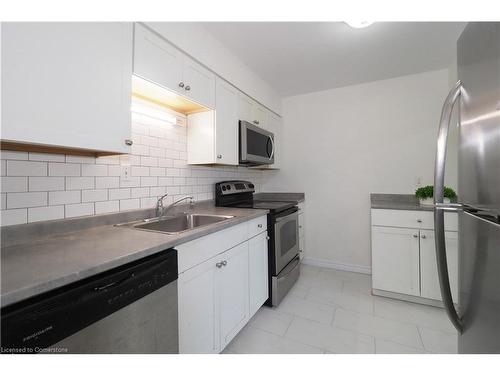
(161, 211)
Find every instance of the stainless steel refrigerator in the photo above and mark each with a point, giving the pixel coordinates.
(477, 93)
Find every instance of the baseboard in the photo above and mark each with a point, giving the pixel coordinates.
(337, 266)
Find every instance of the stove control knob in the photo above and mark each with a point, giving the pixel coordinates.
(223, 188)
(228, 187)
(251, 186)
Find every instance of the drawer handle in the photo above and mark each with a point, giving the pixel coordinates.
(219, 265)
(419, 220)
(224, 263)
(423, 236)
(260, 225)
(415, 236)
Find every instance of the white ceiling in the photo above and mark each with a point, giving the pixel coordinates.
(300, 57)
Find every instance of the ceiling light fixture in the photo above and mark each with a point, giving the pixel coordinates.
(358, 24)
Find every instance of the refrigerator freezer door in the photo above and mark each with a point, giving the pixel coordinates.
(479, 275)
(478, 51)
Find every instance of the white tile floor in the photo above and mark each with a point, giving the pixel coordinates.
(331, 311)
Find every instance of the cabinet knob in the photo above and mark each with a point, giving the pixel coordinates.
(255, 122)
(300, 226)
(187, 88)
(224, 263)
(259, 225)
(415, 236)
(419, 220)
(268, 238)
(219, 156)
(129, 142)
(219, 265)
(181, 84)
(423, 236)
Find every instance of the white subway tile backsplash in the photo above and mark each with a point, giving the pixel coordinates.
(26, 168)
(80, 159)
(81, 209)
(13, 217)
(64, 169)
(46, 183)
(13, 155)
(14, 184)
(43, 186)
(139, 192)
(107, 182)
(129, 204)
(94, 170)
(78, 183)
(23, 200)
(38, 156)
(45, 213)
(64, 197)
(95, 195)
(123, 193)
(106, 207)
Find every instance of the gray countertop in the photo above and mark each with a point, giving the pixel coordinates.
(280, 197)
(41, 264)
(397, 202)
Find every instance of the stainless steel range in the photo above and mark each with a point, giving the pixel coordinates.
(283, 230)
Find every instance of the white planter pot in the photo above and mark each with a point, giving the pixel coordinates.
(430, 201)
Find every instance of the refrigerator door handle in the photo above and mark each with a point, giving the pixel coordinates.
(444, 281)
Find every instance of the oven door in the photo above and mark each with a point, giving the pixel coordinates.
(286, 239)
(256, 144)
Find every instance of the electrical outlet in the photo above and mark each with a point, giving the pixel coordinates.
(125, 176)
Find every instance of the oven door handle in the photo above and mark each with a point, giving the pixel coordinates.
(295, 264)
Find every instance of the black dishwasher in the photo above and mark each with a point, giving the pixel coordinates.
(128, 309)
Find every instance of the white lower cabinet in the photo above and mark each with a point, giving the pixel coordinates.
(258, 272)
(395, 260)
(404, 258)
(429, 283)
(218, 296)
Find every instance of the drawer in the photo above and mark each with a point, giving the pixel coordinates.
(412, 219)
(198, 251)
(257, 226)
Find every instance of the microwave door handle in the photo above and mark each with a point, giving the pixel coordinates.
(272, 146)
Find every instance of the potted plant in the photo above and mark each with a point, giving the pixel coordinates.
(426, 195)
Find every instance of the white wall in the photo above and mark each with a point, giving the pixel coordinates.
(341, 145)
(196, 41)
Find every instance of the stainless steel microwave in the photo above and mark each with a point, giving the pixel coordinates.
(256, 144)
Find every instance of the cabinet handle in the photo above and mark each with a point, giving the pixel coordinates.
(268, 238)
(419, 220)
(181, 84)
(255, 122)
(219, 265)
(219, 156)
(188, 88)
(423, 236)
(129, 142)
(224, 263)
(259, 225)
(415, 236)
(300, 226)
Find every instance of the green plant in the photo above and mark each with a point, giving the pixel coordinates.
(428, 192)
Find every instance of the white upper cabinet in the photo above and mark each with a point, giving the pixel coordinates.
(160, 62)
(198, 83)
(157, 60)
(67, 85)
(245, 107)
(226, 123)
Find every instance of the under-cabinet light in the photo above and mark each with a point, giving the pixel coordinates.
(152, 112)
(358, 24)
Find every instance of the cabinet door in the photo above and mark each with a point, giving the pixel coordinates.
(232, 286)
(258, 272)
(226, 123)
(429, 281)
(198, 309)
(245, 107)
(199, 82)
(71, 78)
(157, 60)
(395, 260)
(260, 116)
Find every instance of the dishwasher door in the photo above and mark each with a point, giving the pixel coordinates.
(129, 309)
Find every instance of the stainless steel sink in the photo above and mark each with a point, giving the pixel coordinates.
(177, 224)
